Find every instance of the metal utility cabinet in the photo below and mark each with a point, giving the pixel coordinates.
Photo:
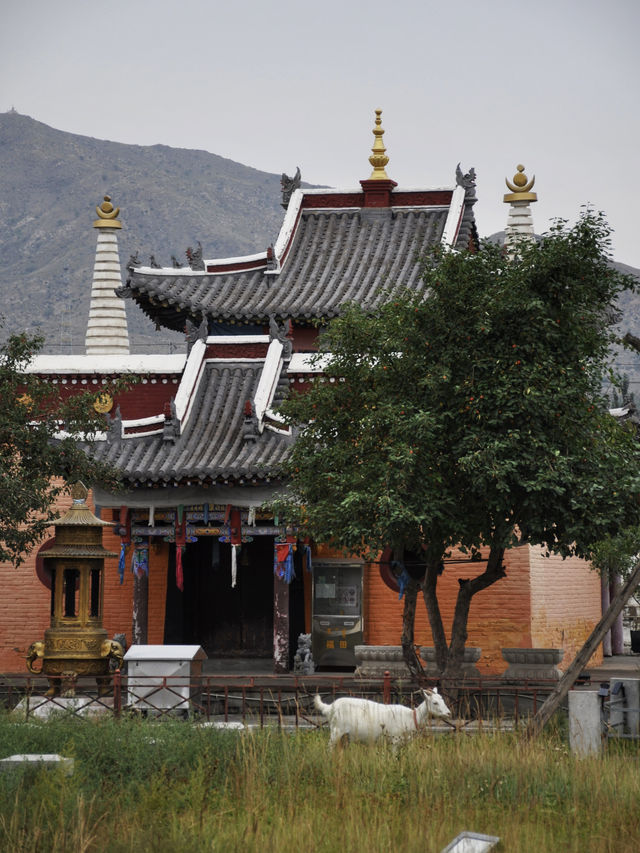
(164, 678)
(337, 623)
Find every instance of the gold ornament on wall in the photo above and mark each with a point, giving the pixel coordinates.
(103, 403)
(26, 401)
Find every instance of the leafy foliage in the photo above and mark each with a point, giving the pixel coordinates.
(617, 555)
(43, 442)
(474, 416)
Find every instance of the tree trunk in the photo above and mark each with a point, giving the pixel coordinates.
(408, 625)
(552, 703)
(605, 598)
(430, 596)
(617, 634)
(468, 588)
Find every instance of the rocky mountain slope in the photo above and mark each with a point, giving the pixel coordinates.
(50, 183)
(169, 198)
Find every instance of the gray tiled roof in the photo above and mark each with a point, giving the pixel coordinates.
(213, 445)
(337, 256)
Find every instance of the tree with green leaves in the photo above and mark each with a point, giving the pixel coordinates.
(43, 444)
(471, 415)
(621, 395)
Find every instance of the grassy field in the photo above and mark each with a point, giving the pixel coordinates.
(174, 786)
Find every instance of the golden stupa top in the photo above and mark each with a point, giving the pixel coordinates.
(520, 187)
(79, 514)
(378, 158)
(107, 214)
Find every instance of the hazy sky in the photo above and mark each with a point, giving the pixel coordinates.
(550, 84)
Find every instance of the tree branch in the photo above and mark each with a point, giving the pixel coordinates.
(493, 572)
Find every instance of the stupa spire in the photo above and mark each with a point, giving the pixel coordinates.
(107, 327)
(520, 220)
(379, 157)
(378, 189)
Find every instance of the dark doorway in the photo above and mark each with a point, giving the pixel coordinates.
(226, 621)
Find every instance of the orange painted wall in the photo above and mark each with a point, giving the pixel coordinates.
(566, 603)
(500, 616)
(24, 608)
(542, 602)
(119, 598)
(25, 600)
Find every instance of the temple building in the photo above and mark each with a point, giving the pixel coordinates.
(201, 446)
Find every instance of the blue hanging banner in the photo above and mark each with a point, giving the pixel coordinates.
(402, 575)
(123, 548)
(283, 561)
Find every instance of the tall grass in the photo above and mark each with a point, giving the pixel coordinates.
(174, 786)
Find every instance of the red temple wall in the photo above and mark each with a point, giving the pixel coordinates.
(144, 399)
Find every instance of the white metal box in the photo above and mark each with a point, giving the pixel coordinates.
(164, 677)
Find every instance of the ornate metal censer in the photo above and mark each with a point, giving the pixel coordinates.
(76, 643)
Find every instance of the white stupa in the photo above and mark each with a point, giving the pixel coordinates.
(107, 332)
(520, 219)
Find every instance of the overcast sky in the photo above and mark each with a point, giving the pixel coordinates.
(552, 84)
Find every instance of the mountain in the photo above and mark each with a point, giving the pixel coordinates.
(169, 198)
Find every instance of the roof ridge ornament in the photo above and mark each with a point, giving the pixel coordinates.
(107, 215)
(520, 187)
(194, 257)
(289, 186)
(378, 157)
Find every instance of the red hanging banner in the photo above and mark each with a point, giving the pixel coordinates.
(235, 525)
(181, 541)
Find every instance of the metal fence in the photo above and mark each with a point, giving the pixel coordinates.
(620, 710)
(236, 700)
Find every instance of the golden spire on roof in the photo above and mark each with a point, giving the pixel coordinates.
(521, 187)
(378, 159)
(107, 215)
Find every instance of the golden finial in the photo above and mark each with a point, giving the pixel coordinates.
(520, 187)
(107, 215)
(79, 492)
(378, 159)
(103, 403)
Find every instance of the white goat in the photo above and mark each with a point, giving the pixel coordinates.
(366, 721)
